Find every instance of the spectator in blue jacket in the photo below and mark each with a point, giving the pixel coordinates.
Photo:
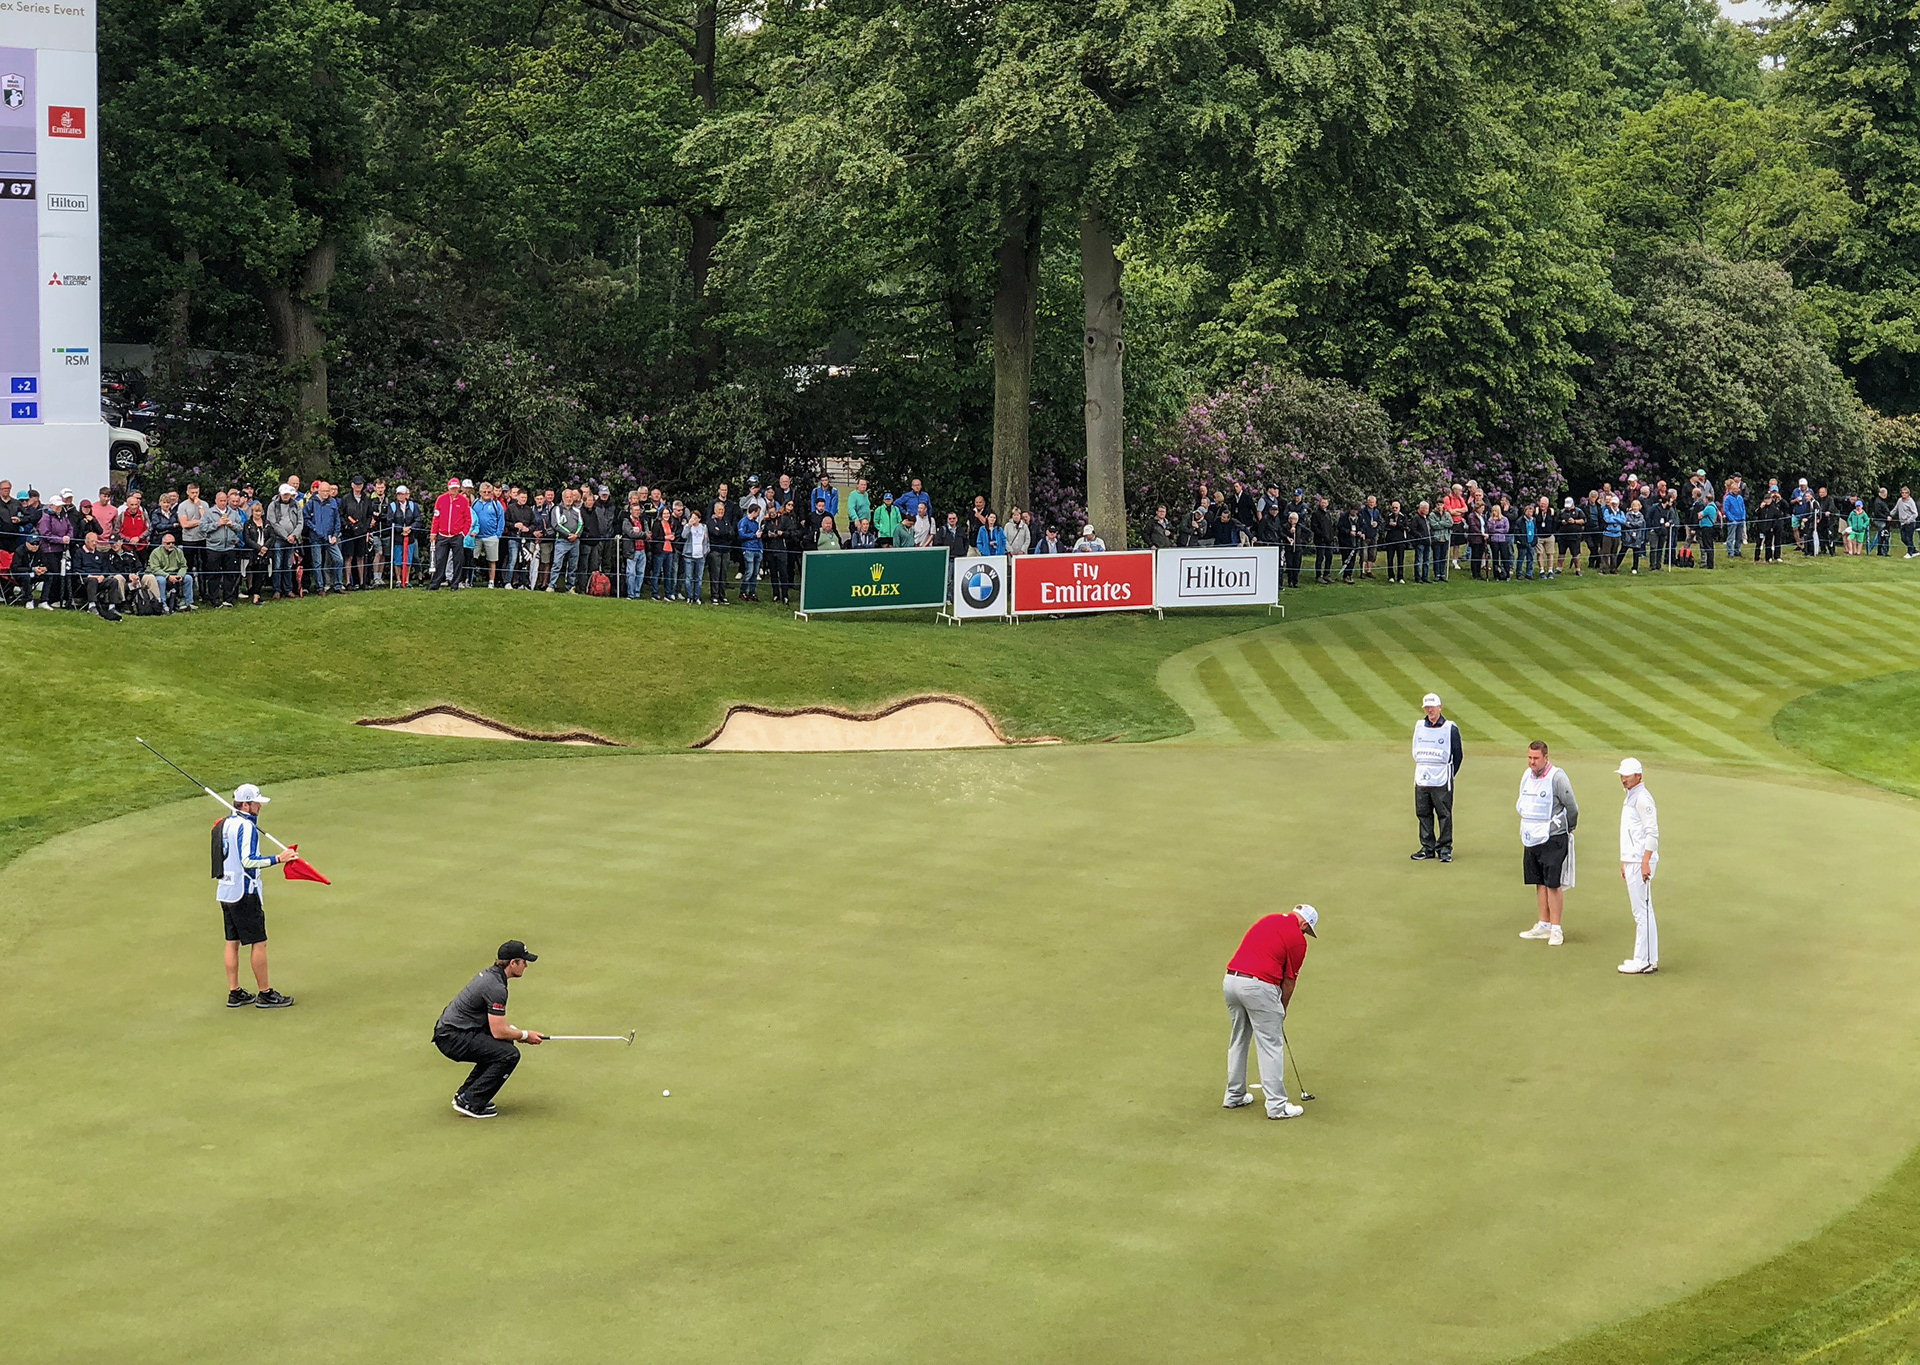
(1733, 515)
(489, 524)
(990, 540)
(914, 502)
(1613, 525)
(750, 550)
(826, 500)
(323, 535)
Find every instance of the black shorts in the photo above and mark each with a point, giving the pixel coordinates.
(1540, 865)
(246, 921)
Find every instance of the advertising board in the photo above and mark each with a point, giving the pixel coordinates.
(872, 580)
(1217, 576)
(1065, 584)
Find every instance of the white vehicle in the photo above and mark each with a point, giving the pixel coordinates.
(126, 448)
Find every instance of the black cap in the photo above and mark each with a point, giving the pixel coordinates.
(513, 948)
(360, 479)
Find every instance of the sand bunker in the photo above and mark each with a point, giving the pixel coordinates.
(451, 722)
(917, 723)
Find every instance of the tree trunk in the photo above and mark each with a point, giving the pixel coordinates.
(706, 221)
(1016, 298)
(180, 322)
(297, 334)
(1106, 452)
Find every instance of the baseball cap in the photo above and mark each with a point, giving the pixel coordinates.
(1629, 767)
(1431, 699)
(466, 483)
(1309, 917)
(286, 489)
(246, 791)
(68, 492)
(513, 948)
(402, 489)
(753, 478)
(358, 480)
(1087, 530)
(453, 483)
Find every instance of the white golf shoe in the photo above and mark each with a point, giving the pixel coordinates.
(1556, 938)
(1632, 967)
(1286, 1111)
(1540, 930)
(1237, 1102)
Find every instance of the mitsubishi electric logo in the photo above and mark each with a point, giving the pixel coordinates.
(69, 281)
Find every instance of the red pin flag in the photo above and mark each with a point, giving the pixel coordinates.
(298, 869)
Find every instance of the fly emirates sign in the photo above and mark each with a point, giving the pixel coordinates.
(1046, 584)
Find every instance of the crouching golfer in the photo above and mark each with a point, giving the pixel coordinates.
(474, 1028)
(1258, 987)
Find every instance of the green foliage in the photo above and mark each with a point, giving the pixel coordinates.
(1729, 175)
(1852, 72)
(1721, 364)
(1656, 49)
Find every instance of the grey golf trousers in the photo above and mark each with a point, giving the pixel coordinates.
(1255, 1011)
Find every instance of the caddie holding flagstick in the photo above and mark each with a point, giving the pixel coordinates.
(1639, 857)
(237, 863)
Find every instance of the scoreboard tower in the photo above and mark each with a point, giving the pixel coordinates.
(51, 434)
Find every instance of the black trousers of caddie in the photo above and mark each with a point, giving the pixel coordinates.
(1434, 805)
(493, 1061)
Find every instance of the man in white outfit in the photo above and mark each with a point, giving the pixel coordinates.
(1639, 856)
(1548, 816)
(1436, 758)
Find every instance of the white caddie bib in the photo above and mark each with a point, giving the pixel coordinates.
(238, 839)
(1432, 754)
(1536, 808)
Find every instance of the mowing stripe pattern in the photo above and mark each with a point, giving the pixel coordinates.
(1692, 672)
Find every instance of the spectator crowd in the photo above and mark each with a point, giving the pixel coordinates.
(191, 548)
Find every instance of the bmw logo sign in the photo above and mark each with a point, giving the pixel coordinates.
(981, 586)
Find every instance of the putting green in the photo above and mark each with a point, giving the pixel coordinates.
(944, 1036)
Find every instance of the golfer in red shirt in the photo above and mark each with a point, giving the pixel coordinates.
(1258, 988)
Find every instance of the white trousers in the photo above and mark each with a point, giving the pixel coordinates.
(1646, 934)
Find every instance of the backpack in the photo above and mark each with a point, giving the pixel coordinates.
(599, 585)
(219, 849)
(146, 604)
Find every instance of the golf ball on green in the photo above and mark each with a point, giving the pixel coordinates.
(665, 1093)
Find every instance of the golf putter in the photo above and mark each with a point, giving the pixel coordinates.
(1304, 1096)
(626, 1037)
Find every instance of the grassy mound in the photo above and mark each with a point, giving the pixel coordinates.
(1868, 729)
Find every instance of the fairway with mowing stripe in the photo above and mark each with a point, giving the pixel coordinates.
(943, 1034)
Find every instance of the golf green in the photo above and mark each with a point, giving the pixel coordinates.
(945, 1041)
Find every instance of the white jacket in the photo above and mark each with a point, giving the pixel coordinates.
(1639, 825)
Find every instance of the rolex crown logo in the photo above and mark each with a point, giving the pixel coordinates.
(878, 570)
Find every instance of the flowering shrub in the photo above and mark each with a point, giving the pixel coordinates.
(1279, 428)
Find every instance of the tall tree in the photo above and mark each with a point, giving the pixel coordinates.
(1852, 69)
(240, 135)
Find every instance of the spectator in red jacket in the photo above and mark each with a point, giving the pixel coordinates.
(452, 522)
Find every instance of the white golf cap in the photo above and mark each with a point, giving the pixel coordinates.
(1431, 699)
(1629, 767)
(1087, 530)
(1309, 918)
(286, 488)
(68, 492)
(246, 792)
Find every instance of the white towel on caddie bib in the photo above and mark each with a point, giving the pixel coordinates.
(1566, 868)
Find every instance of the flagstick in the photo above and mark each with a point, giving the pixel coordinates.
(208, 790)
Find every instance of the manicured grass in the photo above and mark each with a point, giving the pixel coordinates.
(946, 1067)
(1868, 729)
(1044, 1209)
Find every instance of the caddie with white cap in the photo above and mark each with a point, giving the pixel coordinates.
(1258, 988)
(237, 863)
(1639, 856)
(1436, 758)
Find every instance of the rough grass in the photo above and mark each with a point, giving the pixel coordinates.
(1868, 729)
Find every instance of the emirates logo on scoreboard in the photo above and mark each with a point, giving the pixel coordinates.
(66, 120)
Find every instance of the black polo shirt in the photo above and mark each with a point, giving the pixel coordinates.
(484, 996)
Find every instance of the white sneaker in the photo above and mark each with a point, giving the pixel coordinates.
(1557, 938)
(1241, 1102)
(1540, 930)
(1286, 1111)
(1633, 968)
